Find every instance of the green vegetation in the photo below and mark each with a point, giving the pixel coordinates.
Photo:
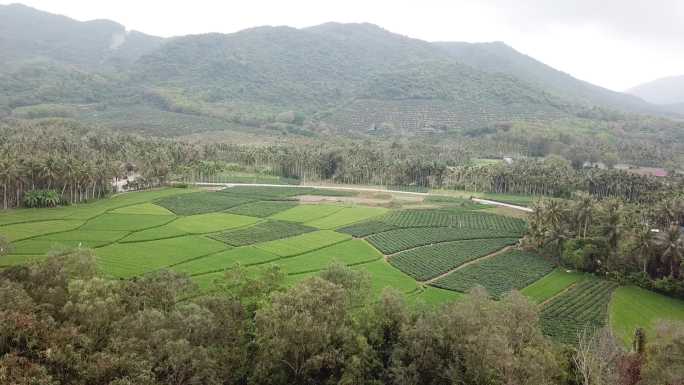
(212, 222)
(201, 203)
(446, 218)
(427, 262)
(552, 284)
(306, 213)
(130, 222)
(352, 252)
(132, 259)
(32, 229)
(244, 256)
(346, 216)
(365, 229)
(498, 275)
(393, 241)
(434, 296)
(262, 232)
(262, 209)
(583, 307)
(383, 275)
(303, 243)
(142, 208)
(633, 307)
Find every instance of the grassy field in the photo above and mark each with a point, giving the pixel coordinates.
(203, 234)
(633, 307)
(552, 284)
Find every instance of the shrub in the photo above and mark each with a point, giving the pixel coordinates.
(42, 198)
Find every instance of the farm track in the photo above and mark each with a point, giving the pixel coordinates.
(478, 260)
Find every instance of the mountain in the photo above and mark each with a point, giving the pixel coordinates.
(27, 34)
(665, 91)
(497, 57)
(349, 79)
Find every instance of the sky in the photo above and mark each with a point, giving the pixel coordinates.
(616, 44)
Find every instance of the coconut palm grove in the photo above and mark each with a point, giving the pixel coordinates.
(335, 204)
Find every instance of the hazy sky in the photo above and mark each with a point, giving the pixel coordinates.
(612, 43)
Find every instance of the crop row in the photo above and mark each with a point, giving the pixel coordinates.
(585, 306)
(393, 241)
(446, 218)
(201, 202)
(500, 274)
(262, 209)
(427, 262)
(366, 228)
(262, 232)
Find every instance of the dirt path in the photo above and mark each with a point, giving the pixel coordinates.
(312, 186)
(474, 261)
(495, 203)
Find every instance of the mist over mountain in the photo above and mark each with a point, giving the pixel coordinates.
(665, 91)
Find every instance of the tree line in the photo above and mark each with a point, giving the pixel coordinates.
(641, 244)
(61, 323)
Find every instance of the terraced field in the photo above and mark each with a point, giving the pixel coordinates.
(431, 255)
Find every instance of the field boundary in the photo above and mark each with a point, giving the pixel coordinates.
(502, 204)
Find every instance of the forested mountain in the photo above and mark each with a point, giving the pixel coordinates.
(350, 79)
(665, 91)
(497, 57)
(28, 35)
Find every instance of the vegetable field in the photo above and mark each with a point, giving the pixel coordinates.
(393, 241)
(499, 275)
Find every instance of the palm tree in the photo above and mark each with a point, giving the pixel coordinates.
(644, 245)
(671, 245)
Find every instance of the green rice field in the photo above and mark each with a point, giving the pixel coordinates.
(433, 255)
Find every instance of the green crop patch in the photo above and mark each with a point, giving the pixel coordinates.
(265, 192)
(212, 222)
(201, 202)
(262, 209)
(499, 275)
(131, 259)
(303, 243)
(155, 233)
(130, 222)
(552, 284)
(19, 259)
(352, 252)
(633, 307)
(433, 296)
(245, 256)
(383, 275)
(364, 229)
(427, 262)
(393, 241)
(43, 246)
(91, 210)
(262, 232)
(306, 213)
(346, 216)
(459, 219)
(87, 235)
(29, 230)
(143, 208)
(584, 306)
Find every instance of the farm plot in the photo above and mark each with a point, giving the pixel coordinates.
(201, 202)
(585, 306)
(262, 232)
(212, 222)
(91, 210)
(142, 208)
(33, 229)
(383, 275)
(262, 209)
(633, 307)
(306, 213)
(426, 262)
(66, 240)
(19, 259)
(264, 192)
(552, 284)
(245, 256)
(303, 243)
(127, 222)
(352, 252)
(446, 218)
(155, 233)
(499, 275)
(394, 241)
(131, 259)
(433, 296)
(346, 216)
(364, 229)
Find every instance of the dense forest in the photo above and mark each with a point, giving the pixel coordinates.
(63, 324)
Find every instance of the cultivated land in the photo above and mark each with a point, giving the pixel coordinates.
(433, 254)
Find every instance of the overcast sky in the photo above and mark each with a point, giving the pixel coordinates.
(613, 43)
